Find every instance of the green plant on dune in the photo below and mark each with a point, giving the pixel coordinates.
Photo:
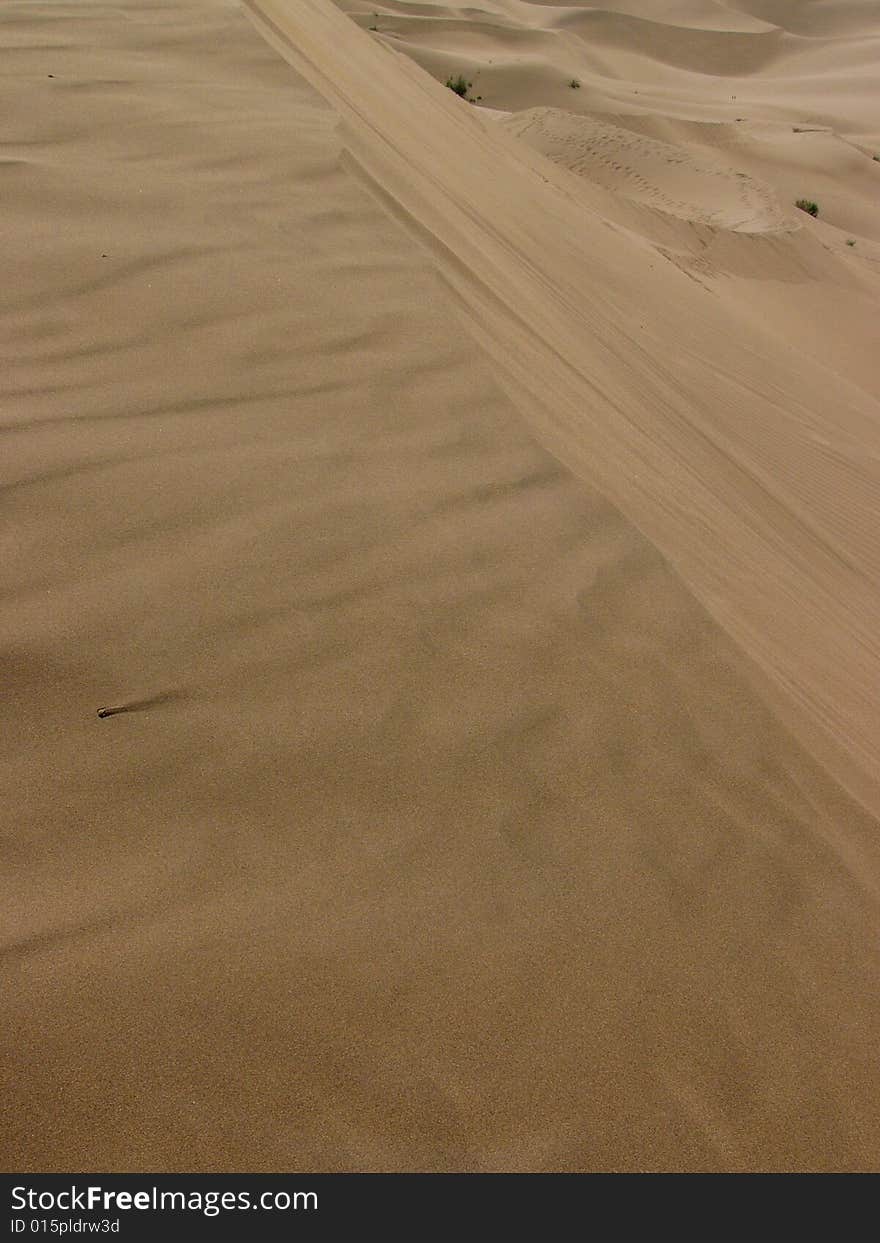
(807, 205)
(460, 85)
(574, 84)
(850, 242)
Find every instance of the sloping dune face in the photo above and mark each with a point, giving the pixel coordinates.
(688, 58)
(479, 563)
(659, 175)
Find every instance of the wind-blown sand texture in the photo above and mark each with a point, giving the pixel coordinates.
(470, 512)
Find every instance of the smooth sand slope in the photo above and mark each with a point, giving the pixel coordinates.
(482, 539)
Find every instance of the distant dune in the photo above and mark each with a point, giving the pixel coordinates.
(468, 512)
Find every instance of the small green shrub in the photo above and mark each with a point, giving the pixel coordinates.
(459, 85)
(850, 242)
(574, 84)
(807, 205)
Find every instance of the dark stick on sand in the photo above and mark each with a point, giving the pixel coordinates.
(140, 705)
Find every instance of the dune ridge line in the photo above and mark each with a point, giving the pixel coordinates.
(773, 530)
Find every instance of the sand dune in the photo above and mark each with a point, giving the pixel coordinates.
(681, 457)
(470, 515)
(696, 61)
(659, 175)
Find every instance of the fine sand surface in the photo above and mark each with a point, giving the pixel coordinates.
(472, 513)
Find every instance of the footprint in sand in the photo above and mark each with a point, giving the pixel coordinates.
(659, 175)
